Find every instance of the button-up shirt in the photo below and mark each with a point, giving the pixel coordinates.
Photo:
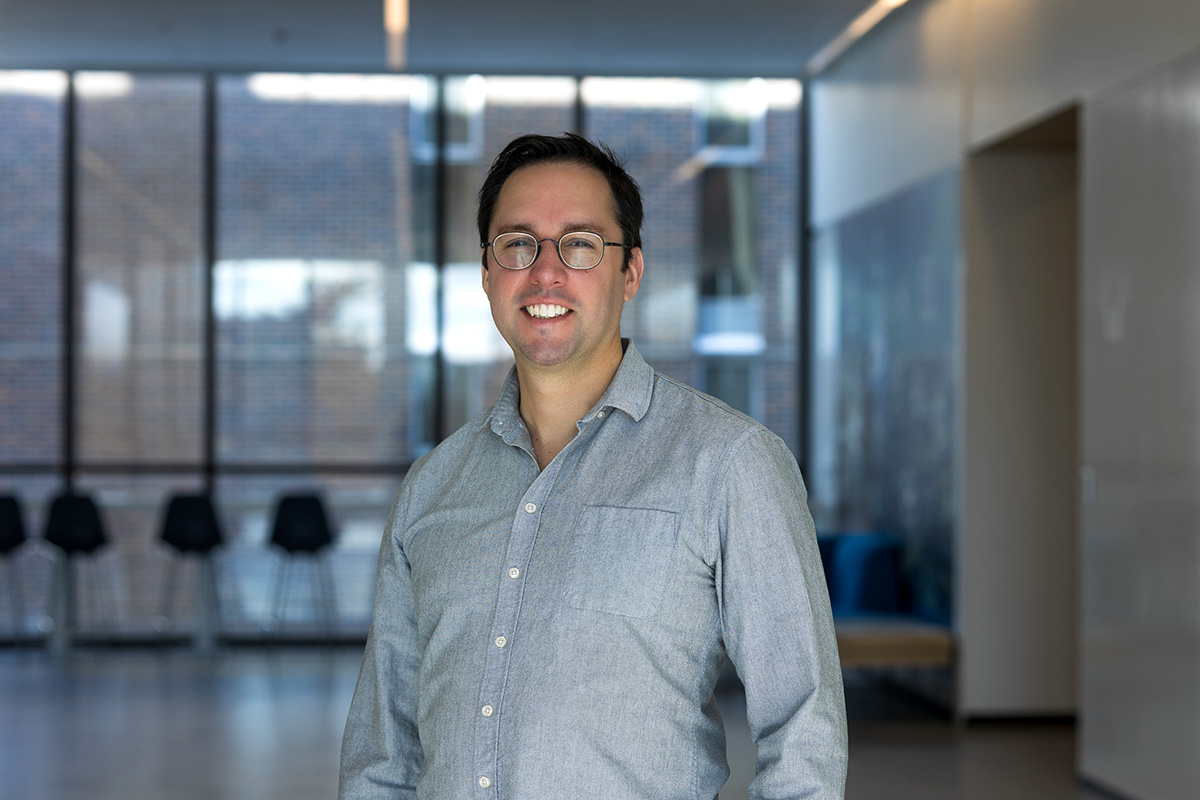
(556, 634)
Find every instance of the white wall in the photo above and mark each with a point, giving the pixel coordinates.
(889, 113)
(940, 78)
(1017, 548)
(1140, 647)
(939, 83)
(1034, 56)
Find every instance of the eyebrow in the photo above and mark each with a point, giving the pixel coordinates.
(570, 227)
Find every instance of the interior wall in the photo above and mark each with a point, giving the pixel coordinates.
(939, 77)
(885, 381)
(1031, 57)
(888, 114)
(1017, 553)
(1140, 613)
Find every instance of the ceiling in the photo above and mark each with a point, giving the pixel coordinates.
(619, 37)
(628, 37)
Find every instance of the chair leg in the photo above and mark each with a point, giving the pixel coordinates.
(328, 601)
(281, 576)
(214, 579)
(110, 610)
(206, 586)
(87, 596)
(166, 612)
(62, 603)
(18, 613)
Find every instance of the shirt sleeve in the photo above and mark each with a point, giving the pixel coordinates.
(777, 624)
(381, 752)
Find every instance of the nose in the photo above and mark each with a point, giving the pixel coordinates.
(548, 266)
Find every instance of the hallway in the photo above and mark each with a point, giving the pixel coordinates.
(254, 724)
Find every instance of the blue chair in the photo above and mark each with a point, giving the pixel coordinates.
(866, 575)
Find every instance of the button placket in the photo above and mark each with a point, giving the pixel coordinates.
(505, 622)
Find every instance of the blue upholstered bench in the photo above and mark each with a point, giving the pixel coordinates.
(872, 612)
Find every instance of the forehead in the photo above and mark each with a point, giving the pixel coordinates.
(552, 195)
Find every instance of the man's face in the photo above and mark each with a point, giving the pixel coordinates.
(551, 315)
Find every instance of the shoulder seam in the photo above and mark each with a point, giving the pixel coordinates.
(712, 402)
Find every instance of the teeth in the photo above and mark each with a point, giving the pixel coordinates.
(545, 311)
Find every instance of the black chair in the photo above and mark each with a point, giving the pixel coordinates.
(75, 527)
(190, 527)
(301, 528)
(12, 536)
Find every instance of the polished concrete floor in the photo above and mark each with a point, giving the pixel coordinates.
(266, 724)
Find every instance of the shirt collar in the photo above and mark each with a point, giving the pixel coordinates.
(630, 391)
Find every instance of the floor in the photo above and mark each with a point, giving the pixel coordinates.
(261, 724)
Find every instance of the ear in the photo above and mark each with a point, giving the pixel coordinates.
(633, 275)
(484, 271)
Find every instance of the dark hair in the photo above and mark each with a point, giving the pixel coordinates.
(571, 148)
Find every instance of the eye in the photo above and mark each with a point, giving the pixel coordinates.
(581, 241)
(514, 243)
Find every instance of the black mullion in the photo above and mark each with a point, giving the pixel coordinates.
(32, 468)
(440, 227)
(69, 263)
(804, 284)
(579, 120)
(209, 260)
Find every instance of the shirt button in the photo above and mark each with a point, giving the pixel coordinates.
(501, 641)
(487, 711)
(531, 507)
(514, 573)
(484, 781)
(600, 414)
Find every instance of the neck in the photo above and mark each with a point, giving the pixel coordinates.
(554, 399)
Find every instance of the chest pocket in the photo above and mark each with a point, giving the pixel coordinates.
(620, 560)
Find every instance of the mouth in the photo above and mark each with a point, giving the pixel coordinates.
(545, 311)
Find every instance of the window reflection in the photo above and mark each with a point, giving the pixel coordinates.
(140, 295)
(31, 105)
(317, 221)
(476, 359)
(718, 165)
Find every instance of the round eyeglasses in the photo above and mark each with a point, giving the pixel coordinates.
(578, 249)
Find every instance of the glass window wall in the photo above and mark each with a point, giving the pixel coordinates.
(314, 249)
(475, 357)
(31, 267)
(140, 288)
(276, 286)
(718, 163)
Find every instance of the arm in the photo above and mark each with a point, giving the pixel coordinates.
(381, 752)
(777, 624)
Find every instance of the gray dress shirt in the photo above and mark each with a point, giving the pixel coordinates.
(556, 634)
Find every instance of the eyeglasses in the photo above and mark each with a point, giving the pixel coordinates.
(578, 250)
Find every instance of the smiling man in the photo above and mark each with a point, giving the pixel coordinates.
(561, 580)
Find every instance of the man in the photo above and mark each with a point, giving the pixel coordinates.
(562, 578)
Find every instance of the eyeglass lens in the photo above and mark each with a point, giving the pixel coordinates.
(578, 250)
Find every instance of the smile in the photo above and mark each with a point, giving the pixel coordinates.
(545, 311)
